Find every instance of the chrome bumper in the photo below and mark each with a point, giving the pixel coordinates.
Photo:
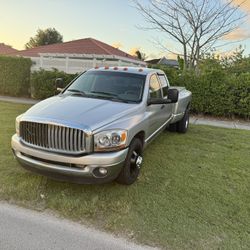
(54, 165)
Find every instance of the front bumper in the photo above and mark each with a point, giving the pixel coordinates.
(64, 168)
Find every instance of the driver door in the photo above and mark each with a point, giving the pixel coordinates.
(156, 117)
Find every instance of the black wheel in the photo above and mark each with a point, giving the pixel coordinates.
(182, 125)
(172, 127)
(132, 165)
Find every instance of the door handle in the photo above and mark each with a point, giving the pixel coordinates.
(163, 106)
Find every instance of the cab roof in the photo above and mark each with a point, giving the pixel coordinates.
(133, 70)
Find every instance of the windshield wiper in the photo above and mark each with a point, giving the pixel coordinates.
(103, 93)
(77, 92)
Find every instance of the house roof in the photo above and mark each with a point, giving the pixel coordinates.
(164, 61)
(153, 61)
(6, 49)
(81, 46)
(169, 62)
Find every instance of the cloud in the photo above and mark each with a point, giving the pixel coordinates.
(238, 34)
(222, 54)
(133, 50)
(117, 45)
(244, 6)
(171, 56)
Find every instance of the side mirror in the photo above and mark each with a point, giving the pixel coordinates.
(173, 95)
(156, 101)
(59, 84)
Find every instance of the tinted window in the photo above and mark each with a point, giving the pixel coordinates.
(121, 85)
(154, 87)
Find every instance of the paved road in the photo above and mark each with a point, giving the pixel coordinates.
(194, 119)
(23, 229)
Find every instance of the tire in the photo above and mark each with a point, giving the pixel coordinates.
(172, 127)
(132, 165)
(182, 125)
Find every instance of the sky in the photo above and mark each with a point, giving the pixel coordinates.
(111, 21)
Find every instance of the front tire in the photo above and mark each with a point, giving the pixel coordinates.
(132, 165)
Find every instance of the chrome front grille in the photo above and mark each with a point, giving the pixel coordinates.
(53, 137)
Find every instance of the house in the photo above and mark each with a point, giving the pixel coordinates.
(77, 56)
(6, 49)
(164, 61)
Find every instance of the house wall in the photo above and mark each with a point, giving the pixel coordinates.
(73, 63)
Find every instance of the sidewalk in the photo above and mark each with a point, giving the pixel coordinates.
(219, 123)
(18, 100)
(193, 119)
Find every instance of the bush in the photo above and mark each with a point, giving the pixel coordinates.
(215, 90)
(15, 76)
(43, 82)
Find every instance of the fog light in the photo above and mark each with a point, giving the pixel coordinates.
(103, 171)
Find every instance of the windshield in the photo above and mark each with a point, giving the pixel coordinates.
(115, 86)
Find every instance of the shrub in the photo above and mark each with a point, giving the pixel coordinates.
(14, 76)
(215, 91)
(43, 82)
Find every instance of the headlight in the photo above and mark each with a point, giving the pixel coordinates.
(110, 140)
(18, 125)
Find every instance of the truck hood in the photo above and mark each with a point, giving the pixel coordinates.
(88, 113)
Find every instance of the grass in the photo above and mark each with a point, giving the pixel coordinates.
(193, 192)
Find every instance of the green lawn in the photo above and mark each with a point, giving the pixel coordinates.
(193, 192)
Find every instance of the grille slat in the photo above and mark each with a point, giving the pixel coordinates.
(67, 139)
(79, 139)
(53, 137)
(63, 138)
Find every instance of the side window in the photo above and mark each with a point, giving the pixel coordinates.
(154, 87)
(164, 84)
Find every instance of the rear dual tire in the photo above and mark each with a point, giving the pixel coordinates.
(182, 125)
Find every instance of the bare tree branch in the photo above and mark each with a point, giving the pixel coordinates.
(196, 25)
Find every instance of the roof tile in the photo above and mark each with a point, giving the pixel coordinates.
(6, 49)
(81, 46)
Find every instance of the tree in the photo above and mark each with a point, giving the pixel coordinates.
(44, 37)
(140, 55)
(195, 25)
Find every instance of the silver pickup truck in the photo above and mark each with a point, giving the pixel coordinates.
(95, 130)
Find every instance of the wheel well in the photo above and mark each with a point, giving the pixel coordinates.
(141, 136)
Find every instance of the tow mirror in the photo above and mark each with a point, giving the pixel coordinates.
(59, 84)
(173, 95)
(156, 101)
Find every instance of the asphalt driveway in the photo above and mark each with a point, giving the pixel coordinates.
(23, 229)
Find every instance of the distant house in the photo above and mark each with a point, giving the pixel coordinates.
(164, 61)
(77, 56)
(6, 49)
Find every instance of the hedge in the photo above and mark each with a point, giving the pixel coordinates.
(215, 91)
(15, 76)
(43, 82)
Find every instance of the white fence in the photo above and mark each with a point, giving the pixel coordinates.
(73, 63)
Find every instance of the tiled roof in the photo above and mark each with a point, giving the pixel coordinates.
(82, 46)
(6, 49)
